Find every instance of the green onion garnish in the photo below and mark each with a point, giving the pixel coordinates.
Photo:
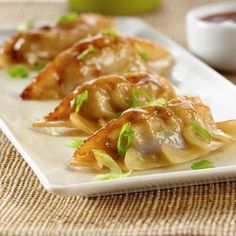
(25, 26)
(74, 143)
(143, 56)
(111, 176)
(125, 139)
(18, 71)
(131, 70)
(159, 101)
(110, 31)
(134, 97)
(38, 67)
(116, 116)
(79, 100)
(87, 53)
(104, 159)
(200, 130)
(204, 164)
(70, 17)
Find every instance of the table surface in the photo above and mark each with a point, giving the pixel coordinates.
(27, 209)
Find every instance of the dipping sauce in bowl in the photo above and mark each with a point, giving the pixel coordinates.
(221, 17)
(211, 34)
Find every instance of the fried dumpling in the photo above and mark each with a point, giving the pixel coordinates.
(91, 105)
(103, 54)
(38, 46)
(155, 136)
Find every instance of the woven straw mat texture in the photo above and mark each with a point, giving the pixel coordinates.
(27, 209)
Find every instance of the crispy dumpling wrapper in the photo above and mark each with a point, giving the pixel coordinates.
(38, 46)
(177, 132)
(103, 54)
(107, 97)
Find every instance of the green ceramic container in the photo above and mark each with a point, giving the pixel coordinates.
(114, 7)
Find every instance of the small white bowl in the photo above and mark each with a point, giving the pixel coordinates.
(215, 43)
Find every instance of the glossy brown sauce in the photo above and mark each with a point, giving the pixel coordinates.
(221, 17)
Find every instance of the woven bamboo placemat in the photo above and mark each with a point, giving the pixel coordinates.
(27, 209)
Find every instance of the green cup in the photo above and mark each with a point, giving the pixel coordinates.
(114, 7)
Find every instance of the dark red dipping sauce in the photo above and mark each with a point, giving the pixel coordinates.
(221, 17)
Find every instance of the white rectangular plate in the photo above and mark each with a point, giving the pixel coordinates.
(48, 156)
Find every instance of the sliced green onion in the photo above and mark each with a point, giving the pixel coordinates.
(18, 71)
(200, 130)
(159, 101)
(104, 159)
(134, 97)
(111, 176)
(74, 143)
(204, 164)
(110, 31)
(25, 26)
(79, 100)
(116, 116)
(125, 139)
(143, 56)
(87, 53)
(67, 18)
(131, 70)
(38, 67)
